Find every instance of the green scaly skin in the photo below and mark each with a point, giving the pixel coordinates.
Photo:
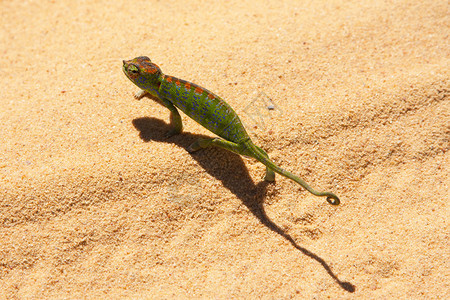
(207, 109)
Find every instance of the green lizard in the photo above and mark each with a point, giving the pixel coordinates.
(207, 109)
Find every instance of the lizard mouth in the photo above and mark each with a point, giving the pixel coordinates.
(125, 64)
(125, 68)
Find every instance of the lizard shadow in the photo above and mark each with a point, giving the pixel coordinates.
(237, 180)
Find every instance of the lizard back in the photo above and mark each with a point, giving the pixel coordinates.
(206, 108)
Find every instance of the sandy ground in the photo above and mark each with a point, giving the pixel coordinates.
(96, 203)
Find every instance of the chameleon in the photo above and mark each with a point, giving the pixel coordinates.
(207, 109)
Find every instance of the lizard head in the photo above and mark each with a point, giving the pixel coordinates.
(142, 72)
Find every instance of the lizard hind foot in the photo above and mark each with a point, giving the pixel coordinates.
(270, 175)
(192, 148)
(199, 144)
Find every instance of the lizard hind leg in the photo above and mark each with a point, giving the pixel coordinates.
(233, 147)
(218, 142)
(270, 174)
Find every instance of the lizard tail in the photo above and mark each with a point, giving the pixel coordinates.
(260, 156)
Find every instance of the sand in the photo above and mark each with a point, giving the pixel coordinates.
(95, 202)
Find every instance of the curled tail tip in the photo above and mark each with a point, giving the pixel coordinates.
(333, 200)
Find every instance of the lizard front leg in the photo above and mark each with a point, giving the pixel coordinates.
(175, 118)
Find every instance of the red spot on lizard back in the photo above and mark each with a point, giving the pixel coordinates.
(178, 83)
(169, 79)
(198, 90)
(211, 96)
(187, 85)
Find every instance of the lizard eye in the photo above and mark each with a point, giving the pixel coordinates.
(133, 70)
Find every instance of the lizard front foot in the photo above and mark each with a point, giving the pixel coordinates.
(139, 95)
(172, 132)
